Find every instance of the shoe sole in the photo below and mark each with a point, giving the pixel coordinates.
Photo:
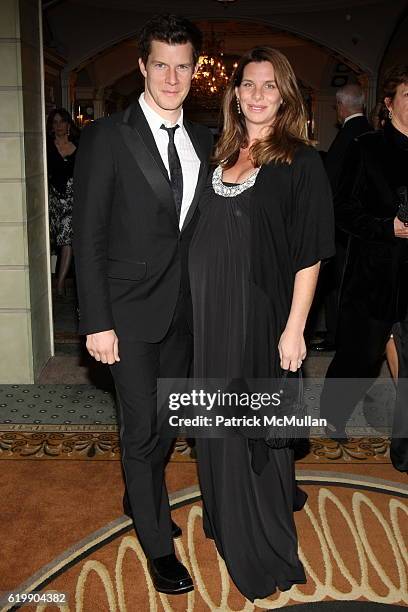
(177, 592)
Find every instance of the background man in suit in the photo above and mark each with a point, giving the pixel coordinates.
(350, 115)
(138, 178)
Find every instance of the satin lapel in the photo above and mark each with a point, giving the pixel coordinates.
(140, 142)
(202, 174)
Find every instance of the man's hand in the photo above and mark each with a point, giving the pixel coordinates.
(103, 346)
(400, 229)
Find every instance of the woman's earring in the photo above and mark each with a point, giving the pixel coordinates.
(238, 106)
(390, 114)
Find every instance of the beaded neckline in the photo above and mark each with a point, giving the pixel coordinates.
(230, 191)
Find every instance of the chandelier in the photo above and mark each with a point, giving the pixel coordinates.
(211, 78)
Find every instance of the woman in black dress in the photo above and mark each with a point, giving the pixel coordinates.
(371, 207)
(62, 144)
(265, 224)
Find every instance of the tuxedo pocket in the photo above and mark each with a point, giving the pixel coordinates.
(126, 270)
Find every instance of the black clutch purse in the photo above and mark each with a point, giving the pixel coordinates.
(280, 436)
(281, 425)
(290, 414)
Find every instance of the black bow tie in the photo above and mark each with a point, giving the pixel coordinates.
(176, 173)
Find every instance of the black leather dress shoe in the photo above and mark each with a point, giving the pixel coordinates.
(175, 529)
(169, 575)
(336, 434)
(322, 347)
(300, 499)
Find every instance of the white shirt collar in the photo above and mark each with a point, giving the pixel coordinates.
(352, 117)
(153, 119)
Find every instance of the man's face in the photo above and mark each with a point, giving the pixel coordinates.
(168, 73)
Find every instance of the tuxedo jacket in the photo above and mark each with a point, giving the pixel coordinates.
(130, 256)
(336, 155)
(366, 204)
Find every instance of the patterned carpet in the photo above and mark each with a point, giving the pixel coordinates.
(63, 531)
(353, 538)
(78, 421)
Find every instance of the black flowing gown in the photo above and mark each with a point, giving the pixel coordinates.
(249, 515)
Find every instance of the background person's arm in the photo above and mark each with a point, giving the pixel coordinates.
(350, 207)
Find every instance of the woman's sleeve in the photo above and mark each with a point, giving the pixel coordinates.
(312, 228)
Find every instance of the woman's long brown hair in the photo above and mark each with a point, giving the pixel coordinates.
(290, 126)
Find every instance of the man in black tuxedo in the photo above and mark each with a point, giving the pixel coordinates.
(138, 177)
(350, 115)
(350, 103)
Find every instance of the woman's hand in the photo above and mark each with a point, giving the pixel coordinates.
(292, 350)
(292, 347)
(400, 229)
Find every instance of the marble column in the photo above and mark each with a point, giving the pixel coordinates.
(26, 339)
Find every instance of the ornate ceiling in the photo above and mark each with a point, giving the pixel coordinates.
(183, 6)
(358, 30)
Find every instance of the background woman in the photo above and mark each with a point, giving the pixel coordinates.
(395, 92)
(375, 290)
(265, 224)
(378, 118)
(61, 148)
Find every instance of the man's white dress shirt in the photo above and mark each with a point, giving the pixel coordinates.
(352, 117)
(190, 163)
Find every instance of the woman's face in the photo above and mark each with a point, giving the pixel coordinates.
(258, 94)
(59, 126)
(399, 106)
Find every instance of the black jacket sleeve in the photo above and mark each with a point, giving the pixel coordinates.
(94, 181)
(352, 202)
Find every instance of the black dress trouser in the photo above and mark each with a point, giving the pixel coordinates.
(361, 342)
(333, 269)
(399, 442)
(144, 454)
